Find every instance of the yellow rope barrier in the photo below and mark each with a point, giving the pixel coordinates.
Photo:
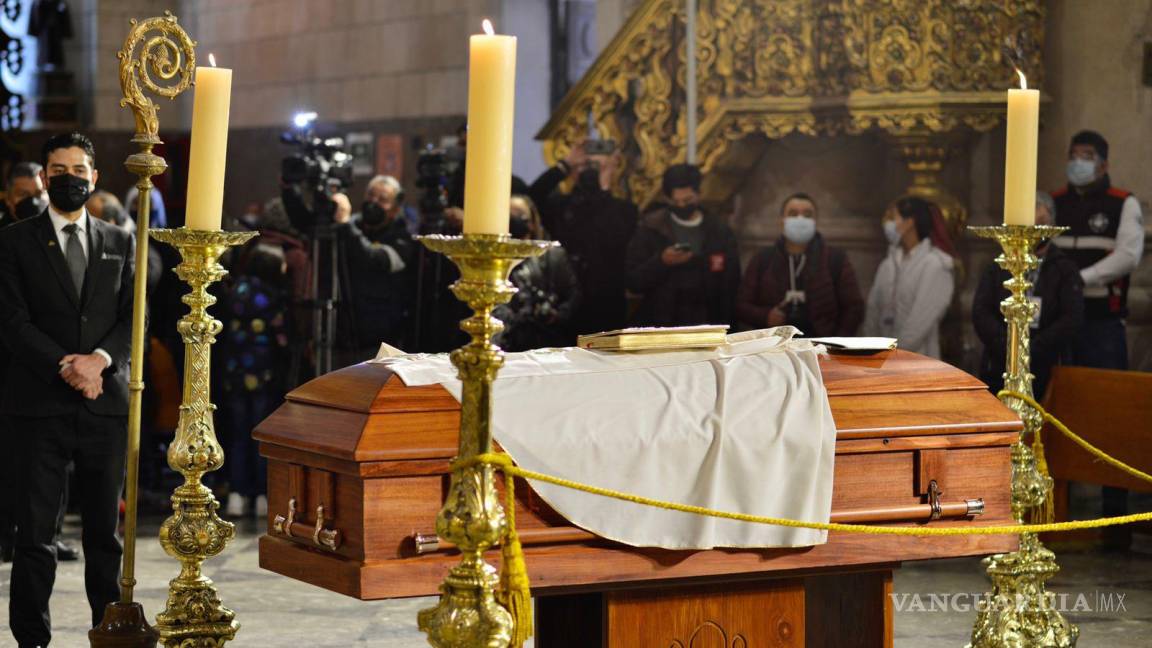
(1063, 429)
(504, 463)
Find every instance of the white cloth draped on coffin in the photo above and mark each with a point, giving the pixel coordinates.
(744, 428)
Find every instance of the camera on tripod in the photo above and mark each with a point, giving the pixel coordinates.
(311, 176)
(319, 165)
(435, 169)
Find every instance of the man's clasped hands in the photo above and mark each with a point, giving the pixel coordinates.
(84, 373)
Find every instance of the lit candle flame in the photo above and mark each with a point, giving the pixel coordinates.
(1023, 80)
(488, 27)
(212, 59)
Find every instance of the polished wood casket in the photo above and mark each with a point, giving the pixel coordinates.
(358, 467)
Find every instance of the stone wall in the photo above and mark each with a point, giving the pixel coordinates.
(379, 66)
(349, 60)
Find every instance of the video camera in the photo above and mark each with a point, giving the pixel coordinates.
(319, 166)
(435, 170)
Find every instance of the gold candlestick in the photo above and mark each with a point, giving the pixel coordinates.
(194, 616)
(468, 615)
(1019, 611)
(170, 54)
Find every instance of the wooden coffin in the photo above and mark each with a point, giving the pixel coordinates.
(363, 460)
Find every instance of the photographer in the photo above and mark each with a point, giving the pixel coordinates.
(594, 227)
(379, 254)
(540, 314)
(312, 179)
(386, 190)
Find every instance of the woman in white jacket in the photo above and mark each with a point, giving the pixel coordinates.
(914, 284)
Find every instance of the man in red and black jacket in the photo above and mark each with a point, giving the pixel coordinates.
(801, 280)
(682, 260)
(1105, 238)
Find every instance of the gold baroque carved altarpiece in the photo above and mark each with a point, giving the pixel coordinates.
(922, 72)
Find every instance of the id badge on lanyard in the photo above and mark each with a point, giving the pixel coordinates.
(1035, 323)
(1033, 279)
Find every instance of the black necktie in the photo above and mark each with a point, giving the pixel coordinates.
(77, 263)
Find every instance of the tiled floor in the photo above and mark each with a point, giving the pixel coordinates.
(272, 609)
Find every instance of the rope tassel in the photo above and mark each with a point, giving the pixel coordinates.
(515, 587)
(1046, 512)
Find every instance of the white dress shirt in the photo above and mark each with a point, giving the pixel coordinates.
(83, 227)
(60, 221)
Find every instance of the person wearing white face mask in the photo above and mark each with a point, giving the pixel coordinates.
(1105, 238)
(801, 280)
(914, 284)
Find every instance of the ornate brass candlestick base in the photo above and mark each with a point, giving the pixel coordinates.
(194, 616)
(472, 518)
(1019, 612)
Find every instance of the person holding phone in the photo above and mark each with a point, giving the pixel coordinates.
(683, 260)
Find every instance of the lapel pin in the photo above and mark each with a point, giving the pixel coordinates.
(51, 243)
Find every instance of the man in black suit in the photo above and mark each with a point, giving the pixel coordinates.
(65, 311)
(24, 197)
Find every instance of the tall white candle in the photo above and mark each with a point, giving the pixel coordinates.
(1020, 155)
(491, 97)
(209, 147)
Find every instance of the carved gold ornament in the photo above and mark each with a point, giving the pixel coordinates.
(775, 67)
(194, 616)
(470, 612)
(158, 57)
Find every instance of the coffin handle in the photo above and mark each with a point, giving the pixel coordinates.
(283, 525)
(325, 538)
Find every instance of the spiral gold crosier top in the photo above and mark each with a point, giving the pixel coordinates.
(155, 46)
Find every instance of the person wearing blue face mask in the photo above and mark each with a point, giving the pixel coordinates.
(1106, 240)
(801, 280)
(914, 284)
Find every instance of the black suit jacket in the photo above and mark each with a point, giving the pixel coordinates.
(42, 319)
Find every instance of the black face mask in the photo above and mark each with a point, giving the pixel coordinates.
(519, 228)
(67, 192)
(685, 212)
(373, 215)
(589, 180)
(29, 207)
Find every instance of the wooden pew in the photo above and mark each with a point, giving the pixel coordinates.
(1110, 409)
